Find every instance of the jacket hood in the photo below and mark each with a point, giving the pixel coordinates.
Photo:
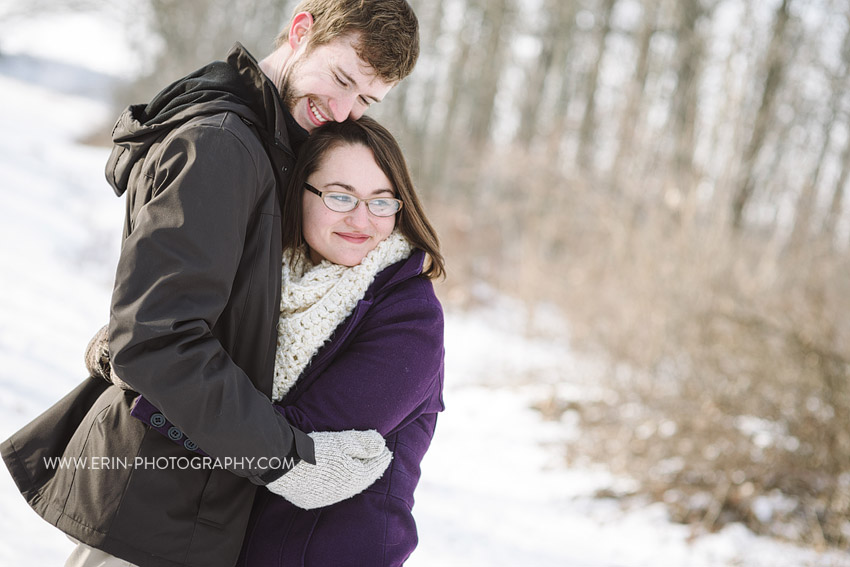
(235, 85)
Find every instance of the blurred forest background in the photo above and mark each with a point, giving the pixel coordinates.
(668, 174)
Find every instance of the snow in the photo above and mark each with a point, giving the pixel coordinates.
(495, 489)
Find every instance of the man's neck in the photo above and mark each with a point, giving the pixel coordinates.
(274, 65)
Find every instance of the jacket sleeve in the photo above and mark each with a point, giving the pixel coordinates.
(390, 373)
(173, 281)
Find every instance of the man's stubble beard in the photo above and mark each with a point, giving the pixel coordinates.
(288, 95)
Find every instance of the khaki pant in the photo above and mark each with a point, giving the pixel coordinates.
(87, 556)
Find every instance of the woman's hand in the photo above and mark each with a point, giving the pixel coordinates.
(347, 462)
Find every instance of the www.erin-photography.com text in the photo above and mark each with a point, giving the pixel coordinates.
(168, 463)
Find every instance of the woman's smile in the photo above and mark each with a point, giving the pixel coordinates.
(354, 238)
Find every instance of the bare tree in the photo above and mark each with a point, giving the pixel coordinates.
(491, 50)
(550, 35)
(683, 120)
(776, 62)
(588, 123)
(837, 202)
(806, 202)
(561, 74)
(636, 91)
(806, 206)
(443, 139)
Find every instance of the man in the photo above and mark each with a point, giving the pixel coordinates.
(196, 298)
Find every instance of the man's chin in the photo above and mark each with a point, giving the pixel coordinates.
(291, 104)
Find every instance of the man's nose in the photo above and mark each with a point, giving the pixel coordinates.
(341, 107)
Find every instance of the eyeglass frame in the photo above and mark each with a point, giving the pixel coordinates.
(321, 195)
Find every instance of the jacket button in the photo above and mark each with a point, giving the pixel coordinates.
(157, 420)
(175, 434)
(190, 445)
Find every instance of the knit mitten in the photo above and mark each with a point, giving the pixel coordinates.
(97, 359)
(347, 462)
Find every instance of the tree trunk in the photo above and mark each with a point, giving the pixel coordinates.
(775, 63)
(444, 138)
(806, 202)
(836, 205)
(588, 124)
(636, 89)
(484, 89)
(689, 54)
(532, 95)
(561, 72)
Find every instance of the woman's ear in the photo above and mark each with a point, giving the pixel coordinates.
(299, 28)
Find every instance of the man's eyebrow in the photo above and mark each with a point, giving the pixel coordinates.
(351, 81)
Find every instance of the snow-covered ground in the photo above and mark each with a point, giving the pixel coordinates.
(495, 490)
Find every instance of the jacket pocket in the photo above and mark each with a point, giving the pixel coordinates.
(103, 448)
(222, 508)
(219, 501)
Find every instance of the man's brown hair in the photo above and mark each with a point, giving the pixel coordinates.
(388, 32)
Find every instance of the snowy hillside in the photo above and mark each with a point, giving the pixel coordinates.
(495, 490)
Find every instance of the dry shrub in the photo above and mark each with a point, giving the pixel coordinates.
(727, 396)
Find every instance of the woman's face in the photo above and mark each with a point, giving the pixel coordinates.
(346, 238)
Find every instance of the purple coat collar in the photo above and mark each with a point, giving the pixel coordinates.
(385, 280)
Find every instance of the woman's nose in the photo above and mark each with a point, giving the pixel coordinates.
(359, 215)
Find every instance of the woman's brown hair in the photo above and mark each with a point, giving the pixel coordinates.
(410, 220)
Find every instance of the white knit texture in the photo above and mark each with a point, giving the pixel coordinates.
(316, 299)
(347, 463)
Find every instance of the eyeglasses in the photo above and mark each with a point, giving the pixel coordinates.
(344, 203)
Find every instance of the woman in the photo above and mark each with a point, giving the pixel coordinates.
(361, 344)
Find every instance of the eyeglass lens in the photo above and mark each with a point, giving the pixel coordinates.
(343, 203)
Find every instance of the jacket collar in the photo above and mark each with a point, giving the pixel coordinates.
(386, 280)
(279, 123)
(396, 274)
(236, 85)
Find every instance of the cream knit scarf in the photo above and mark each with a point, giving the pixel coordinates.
(316, 299)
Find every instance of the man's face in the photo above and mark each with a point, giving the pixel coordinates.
(330, 83)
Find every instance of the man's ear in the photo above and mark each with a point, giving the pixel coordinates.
(299, 28)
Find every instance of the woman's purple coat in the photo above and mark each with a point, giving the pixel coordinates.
(383, 370)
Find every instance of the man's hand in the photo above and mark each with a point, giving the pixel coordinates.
(347, 462)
